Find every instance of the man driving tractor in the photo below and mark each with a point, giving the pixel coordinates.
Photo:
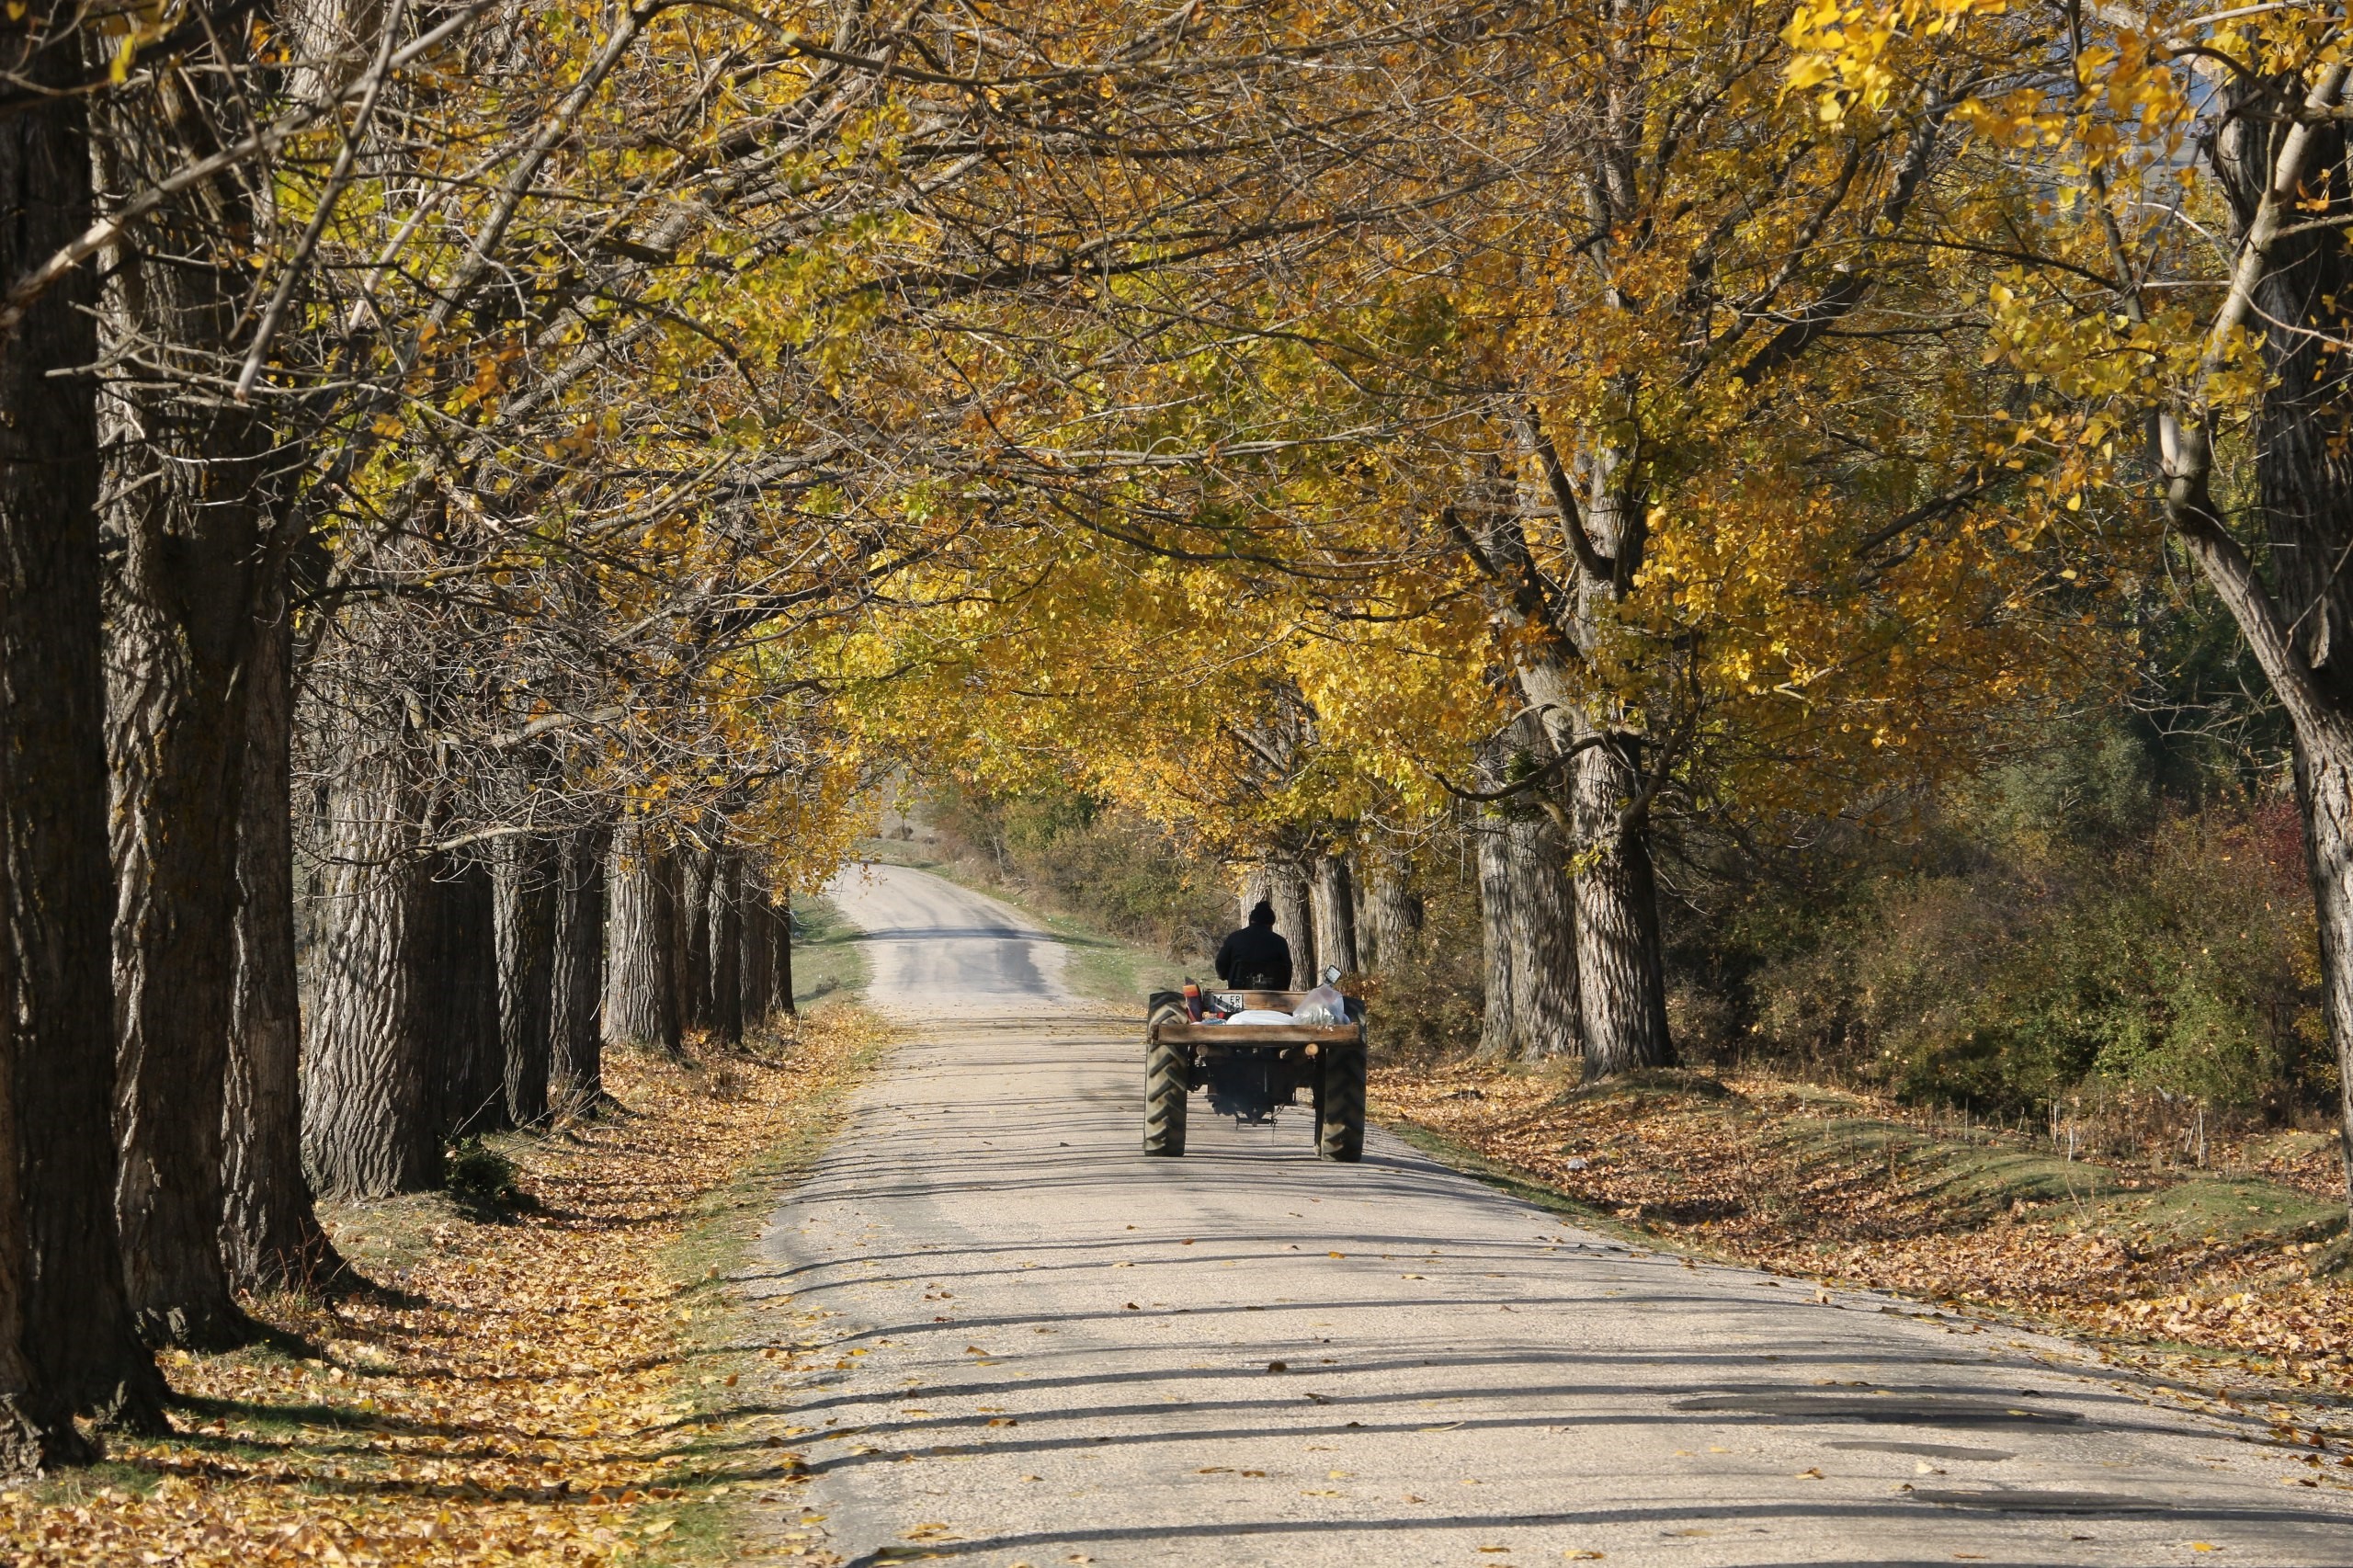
(1255, 958)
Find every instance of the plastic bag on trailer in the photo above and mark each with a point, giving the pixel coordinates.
(1325, 1005)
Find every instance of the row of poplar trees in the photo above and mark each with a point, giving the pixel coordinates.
(280, 924)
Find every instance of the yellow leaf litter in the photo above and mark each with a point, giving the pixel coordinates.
(1740, 1167)
(519, 1395)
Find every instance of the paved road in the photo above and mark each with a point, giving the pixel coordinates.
(1048, 1350)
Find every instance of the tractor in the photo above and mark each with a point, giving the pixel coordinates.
(1249, 1069)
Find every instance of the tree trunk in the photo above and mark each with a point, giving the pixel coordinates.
(640, 967)
(1620, 983)
(780, 955)
(271, 1234)
(63, 1270)
(2304, 467)
(371, 1099)
(1256, 888)
(576, 975)
(2325, 790)
(725, 943)
(692, 879)
(1393, 913)
(26, 1445)
(1286, 890)
(1498, 1031)
(190, 475)
(757, 942)
(472, 1070)
(524, 874)
(2300, 627)
(1336, 916)
(1545, 1016)
(1620, 964)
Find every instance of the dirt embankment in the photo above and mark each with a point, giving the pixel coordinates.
(1841, 1187)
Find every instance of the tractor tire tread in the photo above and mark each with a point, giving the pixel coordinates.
(1339, 1124)
(1168, 1081)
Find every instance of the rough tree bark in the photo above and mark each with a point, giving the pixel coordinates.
(271, 1234)
(64, 1271)
(1620, 977)
(780, 955)
(369, 1099)
(2283, 162)
(640, 967)
(25, 1444)
(693, 866)
(524, 875)
(757, 975)
(1286, 890)
(189, 481)
(724, 940)
(1256, 888)
(1620, 964)
(1498, 1029)
(1545, 1018)
(1392, 913)
(470, 1069)
(576, 974)
(1336, 916)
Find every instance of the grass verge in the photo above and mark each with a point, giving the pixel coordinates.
(738, 1453)
(828, 962)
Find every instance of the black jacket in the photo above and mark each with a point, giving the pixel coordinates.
(1254, 959)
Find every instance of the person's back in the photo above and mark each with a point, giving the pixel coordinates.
(1255, 958)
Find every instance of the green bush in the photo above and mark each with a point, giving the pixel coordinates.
(482, 1179)
(2067, 932)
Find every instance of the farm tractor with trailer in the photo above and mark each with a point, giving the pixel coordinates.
(1249, 1063)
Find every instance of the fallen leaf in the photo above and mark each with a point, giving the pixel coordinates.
(518, 1396)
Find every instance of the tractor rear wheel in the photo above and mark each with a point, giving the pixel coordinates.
(1339, 1114)
(1168, 1079)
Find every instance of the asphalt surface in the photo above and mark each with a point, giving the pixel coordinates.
(1046, 1348)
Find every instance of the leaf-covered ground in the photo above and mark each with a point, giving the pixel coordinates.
(539, 1386)
(1841, 1187)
